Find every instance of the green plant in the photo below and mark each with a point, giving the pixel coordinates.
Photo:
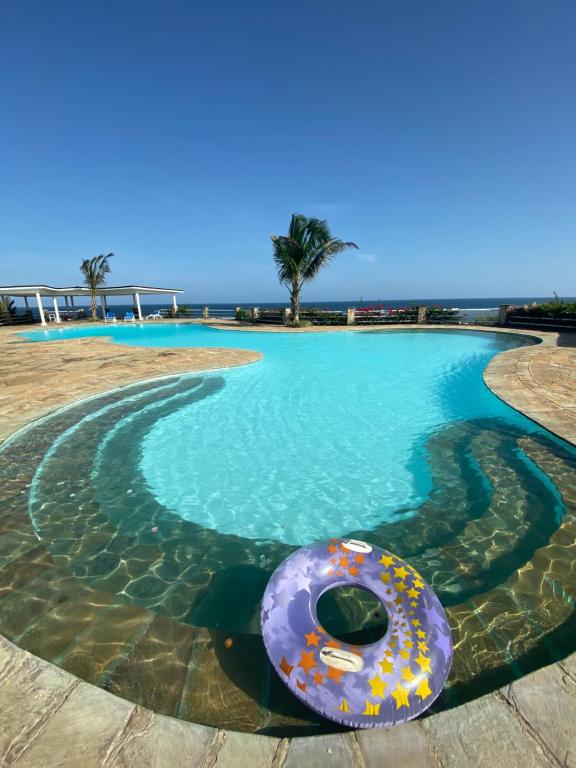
(95, 271)
(302, 253)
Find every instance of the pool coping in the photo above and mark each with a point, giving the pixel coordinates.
(44, 709)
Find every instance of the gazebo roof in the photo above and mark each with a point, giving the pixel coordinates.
(19, 291)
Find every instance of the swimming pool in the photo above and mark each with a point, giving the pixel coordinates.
(163, 507)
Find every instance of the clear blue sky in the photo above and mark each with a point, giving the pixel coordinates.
(438, 135)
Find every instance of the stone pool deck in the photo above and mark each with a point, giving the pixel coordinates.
(51, 719)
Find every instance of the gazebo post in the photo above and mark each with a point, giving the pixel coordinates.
(26, 302)
(56, 312)
(104, 307)
(72, 300)
(40, 309)
(174, 303)
(137, 297)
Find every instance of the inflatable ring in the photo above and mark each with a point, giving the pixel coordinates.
(381, 684)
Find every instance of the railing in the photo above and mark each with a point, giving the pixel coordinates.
(7, 319)
(560, 323)
(529, 317)
(381, 316)
(352, 316)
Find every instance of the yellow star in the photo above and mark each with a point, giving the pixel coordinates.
(344, 706)
(418, 584)
(377, 685)
(405, 654)
(415, 622)
(387, 560)
(413, 603)
(401, 572)
(423, 662)
(398, 600)
(401, 696)
(385, 576)
(421, 634)
(409, 644)
(408, 675)
(400, 586)
(410, 613)
(386, 666)
(371, 709)
(388, 652)
(412, 593)
(423, 647)
(423, 689)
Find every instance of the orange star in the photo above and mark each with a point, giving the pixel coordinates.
(307, 661)
(353, 571)
(333, 644)
(401, 696)
(423, 689)
(300, 685)
(344, 562)
(312, 639)
(318, 678)
(331, 548)
(335, 674)
(359, 559)
(285, 667)
(423, 662)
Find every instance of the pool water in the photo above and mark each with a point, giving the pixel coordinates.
(140, 527)
(326, 435)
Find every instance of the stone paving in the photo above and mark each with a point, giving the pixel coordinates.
(51, 719)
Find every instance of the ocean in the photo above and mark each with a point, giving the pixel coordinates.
(469, 308)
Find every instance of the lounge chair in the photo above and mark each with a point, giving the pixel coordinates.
(110, 317)
(129, 317)
(155, 316)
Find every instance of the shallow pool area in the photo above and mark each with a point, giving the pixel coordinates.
(162, 508)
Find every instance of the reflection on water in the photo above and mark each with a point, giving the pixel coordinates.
(165, 612)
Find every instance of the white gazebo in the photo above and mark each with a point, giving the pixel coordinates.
(38, 292)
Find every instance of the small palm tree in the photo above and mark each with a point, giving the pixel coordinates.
(301, 254)
(95, 271)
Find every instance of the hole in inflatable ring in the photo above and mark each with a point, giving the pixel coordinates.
(353, 615)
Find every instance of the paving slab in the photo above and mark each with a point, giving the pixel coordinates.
(246, 750)
(547, 702)
(402, 745)
(323, 752)
(83, 732)
(483, 733)
(30, 690)
(161, 742)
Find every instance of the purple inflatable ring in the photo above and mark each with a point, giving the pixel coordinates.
(381, 684)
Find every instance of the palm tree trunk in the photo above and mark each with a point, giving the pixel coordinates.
(93, 302)
(295, 303)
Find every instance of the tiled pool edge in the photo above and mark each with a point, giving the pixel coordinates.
(44, 710)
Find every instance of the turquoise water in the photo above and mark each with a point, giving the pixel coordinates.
(327, 434)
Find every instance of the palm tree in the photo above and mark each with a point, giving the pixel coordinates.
(95, 271)
(301, 254)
